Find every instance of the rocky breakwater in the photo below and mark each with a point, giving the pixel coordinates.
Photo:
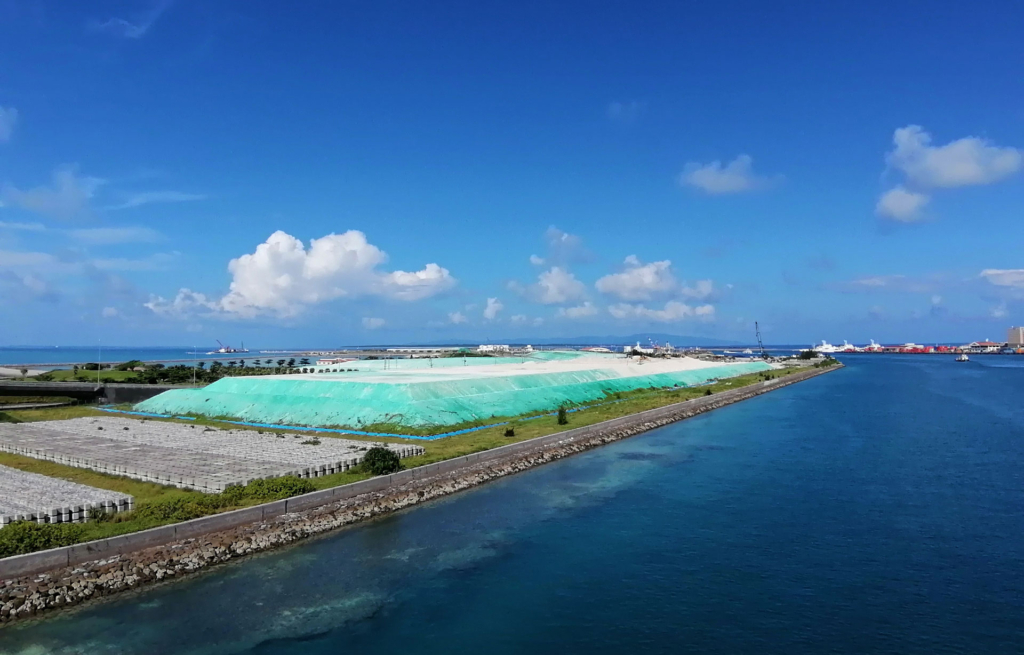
(29, 596)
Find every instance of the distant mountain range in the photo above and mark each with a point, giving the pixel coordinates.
(607, 340)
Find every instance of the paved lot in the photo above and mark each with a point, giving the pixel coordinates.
(189, 456)
(28, 496)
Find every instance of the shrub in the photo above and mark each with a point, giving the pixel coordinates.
(7, 418)
(26, 537)
(708, 392)
(807, 354)
(381, 461)
(271, 489)
(563, 417)
(510, 431)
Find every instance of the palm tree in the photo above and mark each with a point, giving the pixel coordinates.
(291, 362)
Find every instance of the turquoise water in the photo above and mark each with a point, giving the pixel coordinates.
(876, 509)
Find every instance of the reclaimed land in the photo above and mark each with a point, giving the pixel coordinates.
(63, 577)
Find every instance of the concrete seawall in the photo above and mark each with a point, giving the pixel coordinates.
(62, 577)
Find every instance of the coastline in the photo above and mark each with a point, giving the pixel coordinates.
(41, 582)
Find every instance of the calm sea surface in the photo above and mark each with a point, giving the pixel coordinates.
(877, 509)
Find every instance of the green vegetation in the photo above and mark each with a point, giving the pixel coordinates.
(563, 418)
(139, 373)
(158, 505)
(381, 461)
(25, 537)
(807, 354)
(22, 400)
(7, 418)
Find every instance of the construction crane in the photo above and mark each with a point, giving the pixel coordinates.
(757, 330)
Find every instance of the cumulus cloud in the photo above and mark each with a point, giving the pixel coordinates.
(373, 323)
(67, 197)
(902, 205)
(555, 286)
(8, 117)
(456, 318)
(519, 319)
(672, 311)
(970, 161)
(493, 307)
(964, 162)
(282, 277)
(562, 247)
(185, 303)
(999, 311)
(1004, 277)
(24, 286)
(110, 312)
(716, 179)
(579, 311)
(639, 281)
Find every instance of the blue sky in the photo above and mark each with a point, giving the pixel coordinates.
(183, 171)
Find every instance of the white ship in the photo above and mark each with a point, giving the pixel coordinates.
(824, 347)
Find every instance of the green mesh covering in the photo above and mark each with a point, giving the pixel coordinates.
(406, 394)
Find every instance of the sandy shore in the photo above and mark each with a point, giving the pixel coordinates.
(16, 372)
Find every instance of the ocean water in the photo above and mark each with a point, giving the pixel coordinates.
(876, 509)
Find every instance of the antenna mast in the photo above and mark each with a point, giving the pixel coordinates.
(760, 345)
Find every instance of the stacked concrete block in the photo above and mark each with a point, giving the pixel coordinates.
(32, 497)
(182, 455)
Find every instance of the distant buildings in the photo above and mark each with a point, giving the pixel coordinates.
(1015, 337)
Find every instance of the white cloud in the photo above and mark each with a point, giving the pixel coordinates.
(936, 299)
(493, 307)
(735, 177)
(151, 197)
(625, 112)
(562, 247)
(456, 318)
(580, 311)
(536, 261)
(902, 205)
(8, 117)
(556, 286)
(156, 262)
(639, 281)
(137, 27)
(97, 236)
(109, 312)
(185, 303)
(964, 162)
(26, 259)
(519, 319)
(673, 311)
(700, 290)
(999, 311)
(282, 277)
(373, 323)
(1004, 277)
(67, 198)
(23, 227)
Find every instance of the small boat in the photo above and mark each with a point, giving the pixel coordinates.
(962, 357)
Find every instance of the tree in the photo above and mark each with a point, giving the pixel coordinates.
(807, 354)
(200, 365)
(381, 461)
(280, 363)
(304, 362)
(24, 372)
(563, 418)
(291, 362)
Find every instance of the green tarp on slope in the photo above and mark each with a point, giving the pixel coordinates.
(341, 399)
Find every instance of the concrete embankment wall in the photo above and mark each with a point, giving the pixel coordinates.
(112, 393)
(32, 563)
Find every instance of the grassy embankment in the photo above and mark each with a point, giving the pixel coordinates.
(156, 499)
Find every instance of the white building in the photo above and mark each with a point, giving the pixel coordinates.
(492, 348)
(1015, 337)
